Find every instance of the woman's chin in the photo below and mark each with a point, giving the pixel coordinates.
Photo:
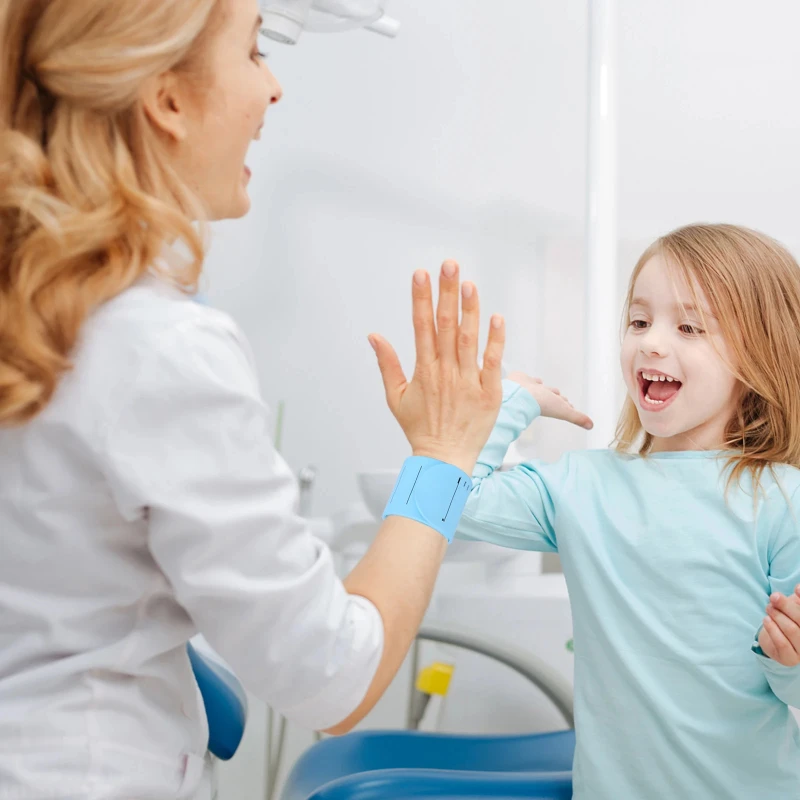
(236, 209)
(242, 205)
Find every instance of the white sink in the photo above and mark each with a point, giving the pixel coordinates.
(376, 489)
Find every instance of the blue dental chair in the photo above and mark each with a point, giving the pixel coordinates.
(390, 765)
(386, 765)
(225, 702)
(378, 765)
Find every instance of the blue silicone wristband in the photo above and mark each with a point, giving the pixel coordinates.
(431, 492)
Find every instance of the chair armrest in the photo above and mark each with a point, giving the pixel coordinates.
(542, 675)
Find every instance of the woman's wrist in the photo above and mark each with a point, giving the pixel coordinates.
(464, 462)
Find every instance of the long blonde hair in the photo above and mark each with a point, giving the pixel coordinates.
(88, 200)
(753, 286)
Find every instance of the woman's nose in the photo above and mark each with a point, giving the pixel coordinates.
(275, 89)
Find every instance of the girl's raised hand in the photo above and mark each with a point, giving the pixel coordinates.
(551, 401)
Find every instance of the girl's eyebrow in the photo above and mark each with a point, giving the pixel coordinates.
(640, 301)
(691, 307)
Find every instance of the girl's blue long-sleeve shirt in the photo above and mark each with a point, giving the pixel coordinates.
(668, 579)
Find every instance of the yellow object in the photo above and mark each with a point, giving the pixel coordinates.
(435, 679)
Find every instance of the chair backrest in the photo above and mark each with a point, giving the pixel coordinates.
(225, 702)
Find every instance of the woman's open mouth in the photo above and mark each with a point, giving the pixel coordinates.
(657, 390)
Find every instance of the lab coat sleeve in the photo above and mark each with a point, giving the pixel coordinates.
(514, 508)
(784, 574)
(192, 450)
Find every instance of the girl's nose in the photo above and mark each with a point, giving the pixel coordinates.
(653, 343)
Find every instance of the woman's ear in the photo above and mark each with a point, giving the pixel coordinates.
(165, 102)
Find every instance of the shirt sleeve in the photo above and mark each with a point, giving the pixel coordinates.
(515, 508)
(784, 574)
(192, 450)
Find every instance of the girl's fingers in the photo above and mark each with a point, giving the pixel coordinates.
(788, 626)
(787, 605)
(578, 418)
(783, 651)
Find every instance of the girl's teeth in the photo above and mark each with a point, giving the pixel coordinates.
(653, 378)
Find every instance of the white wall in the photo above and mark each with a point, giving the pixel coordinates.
(710, 114)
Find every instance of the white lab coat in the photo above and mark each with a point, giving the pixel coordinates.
(145, 504)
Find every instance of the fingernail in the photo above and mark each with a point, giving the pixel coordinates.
(372, 344)
(774, 598)
(448, 269)
(466, 290)
(497, 321)
(767, 620)
(419, 277)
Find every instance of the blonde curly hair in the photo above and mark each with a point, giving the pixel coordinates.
(88, 200)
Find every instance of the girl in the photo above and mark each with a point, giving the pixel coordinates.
(141, 500)
(674, 542)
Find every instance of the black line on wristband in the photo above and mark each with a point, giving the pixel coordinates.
(412, 488)
(451, 500)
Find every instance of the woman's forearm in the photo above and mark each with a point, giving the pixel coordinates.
(397, 574)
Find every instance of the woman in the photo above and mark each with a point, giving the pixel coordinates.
(141, 500)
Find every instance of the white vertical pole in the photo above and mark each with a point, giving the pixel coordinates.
(602, 323)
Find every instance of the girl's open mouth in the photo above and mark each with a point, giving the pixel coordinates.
(657, 390)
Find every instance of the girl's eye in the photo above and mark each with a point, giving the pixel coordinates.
(638, 324)
(262, 56)
(691, 330)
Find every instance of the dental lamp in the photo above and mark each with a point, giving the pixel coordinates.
(285, 20)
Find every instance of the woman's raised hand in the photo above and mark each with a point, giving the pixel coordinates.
(448, 408)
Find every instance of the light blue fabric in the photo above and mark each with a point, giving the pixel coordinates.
(668, 582)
